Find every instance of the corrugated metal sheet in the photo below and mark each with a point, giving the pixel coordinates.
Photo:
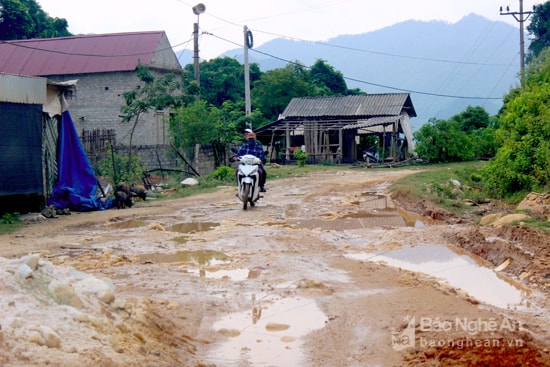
(22, 89)
(374, 123)
(79, 54)
(370, 105)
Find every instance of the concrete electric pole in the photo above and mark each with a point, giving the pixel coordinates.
(197, 10)
(248, 43)
(519, 16)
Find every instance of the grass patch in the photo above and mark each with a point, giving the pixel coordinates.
(451, 186)
(10, 222)
(540, 224)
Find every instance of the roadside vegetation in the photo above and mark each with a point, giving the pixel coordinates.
(10, 222)
(455, 187)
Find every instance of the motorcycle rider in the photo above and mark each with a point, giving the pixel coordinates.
(254, 147)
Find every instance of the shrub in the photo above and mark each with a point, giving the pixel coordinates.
(11, 218)
(300, 157)
(222, 173)
(123, 170)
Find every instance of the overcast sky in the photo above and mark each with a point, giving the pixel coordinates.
(223, 20)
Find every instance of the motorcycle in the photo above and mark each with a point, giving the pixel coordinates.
(370, 155)
(248, 177)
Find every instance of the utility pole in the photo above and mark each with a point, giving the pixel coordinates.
(519, 16)
(197, 10)
(196, 52)
(248, 43)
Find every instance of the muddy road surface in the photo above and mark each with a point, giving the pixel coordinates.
(326, 270)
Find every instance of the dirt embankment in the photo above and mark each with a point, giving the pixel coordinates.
(523, 251)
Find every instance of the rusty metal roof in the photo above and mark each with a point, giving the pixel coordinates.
(79, 54)
(338, 112)
(374, 122)
(354, 107)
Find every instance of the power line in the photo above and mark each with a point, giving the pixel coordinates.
(19, 44)
(381, 53)
(519, 16)
(334, 45)
(362, 81)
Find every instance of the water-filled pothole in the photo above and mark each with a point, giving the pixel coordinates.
(199, 257)
(231, 274)
(132, 223)
(376, 211)
(191, 227)
(458, 270)
(269, 334)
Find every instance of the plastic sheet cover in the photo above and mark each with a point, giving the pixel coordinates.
(76, 187)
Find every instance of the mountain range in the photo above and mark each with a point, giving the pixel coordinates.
(445, 67)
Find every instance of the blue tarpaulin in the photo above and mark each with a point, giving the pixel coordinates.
(76, 187)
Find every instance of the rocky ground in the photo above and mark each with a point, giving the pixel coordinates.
(327, 270)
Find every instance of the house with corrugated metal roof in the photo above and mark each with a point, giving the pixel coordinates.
(328, 128)
(105, 67)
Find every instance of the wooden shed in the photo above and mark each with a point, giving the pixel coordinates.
(328, 127)
(30, 109)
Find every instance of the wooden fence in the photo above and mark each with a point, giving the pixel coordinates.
(97, 142)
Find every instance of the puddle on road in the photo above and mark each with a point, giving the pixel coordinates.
(376, 211)
(180, 239)
(232, 274)
(459, 271)
(193, 227)
(199, 257)
(269, 334)
(370, 200)
(132, 223)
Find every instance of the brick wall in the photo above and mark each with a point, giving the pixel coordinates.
(204, 161)
(96, 104)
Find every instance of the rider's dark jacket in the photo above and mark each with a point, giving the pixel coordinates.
(253, 147)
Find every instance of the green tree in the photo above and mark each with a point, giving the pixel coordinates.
(200, 123)
(539, 29)
(522, 162)
(484, 142)
(275, 88)
(327, 78)
(25, 19)
(443, 141)
(472, 118)
(194, 124)
(477, 124)
(222, 79)
(156, 94)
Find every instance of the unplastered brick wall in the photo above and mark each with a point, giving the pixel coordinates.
(97, 101)
(204, 161)
(153, 156)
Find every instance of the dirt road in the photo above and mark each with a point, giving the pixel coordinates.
(324, 271)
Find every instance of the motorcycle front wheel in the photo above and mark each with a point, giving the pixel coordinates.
(245, 194)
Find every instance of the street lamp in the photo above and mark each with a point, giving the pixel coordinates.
(197, 10)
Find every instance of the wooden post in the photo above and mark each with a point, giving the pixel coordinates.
(287, 135)
(383, 143)
(340, 145)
